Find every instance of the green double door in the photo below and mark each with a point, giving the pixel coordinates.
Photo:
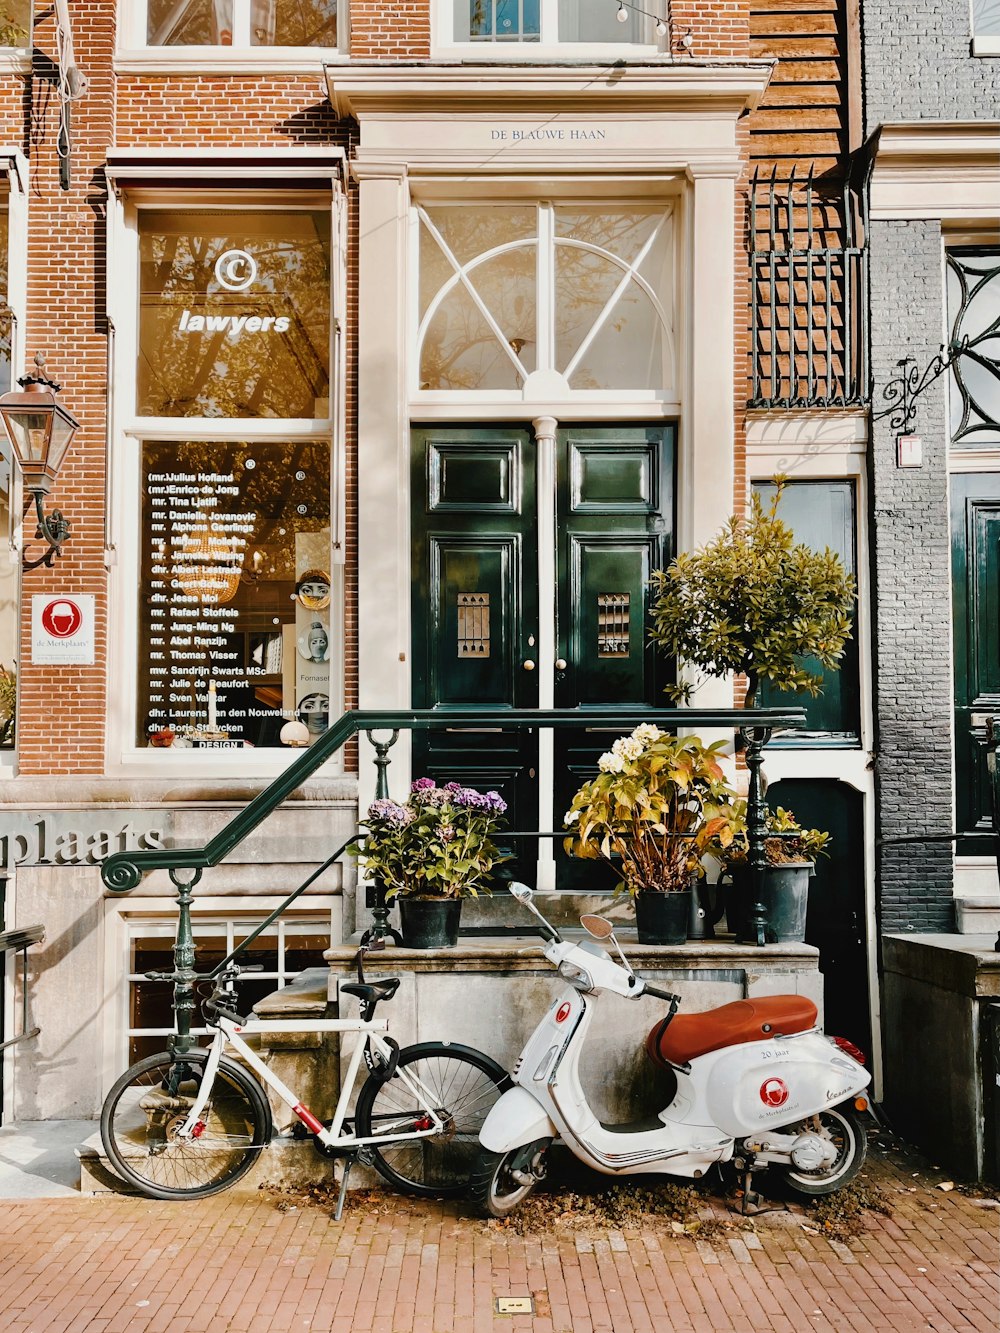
(531, 566)
(975, 536)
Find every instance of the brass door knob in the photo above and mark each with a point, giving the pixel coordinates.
(528, 664)
(560, 664)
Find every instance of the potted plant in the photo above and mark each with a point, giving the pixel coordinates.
(755, 602)
(791, 853)
(431, 852)
(657, 804)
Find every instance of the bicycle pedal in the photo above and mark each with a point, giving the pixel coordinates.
(299, 1131)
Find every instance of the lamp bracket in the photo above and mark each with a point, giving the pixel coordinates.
(54, 529)
(902, 392)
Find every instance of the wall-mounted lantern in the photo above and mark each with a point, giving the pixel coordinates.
(40, 431)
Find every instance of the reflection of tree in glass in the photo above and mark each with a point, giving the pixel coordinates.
(15, 23)
(272, 22)
(461, 350)
(227, 370)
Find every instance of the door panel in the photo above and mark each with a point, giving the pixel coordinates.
(976, 609)
(473, 610)
(614, 520)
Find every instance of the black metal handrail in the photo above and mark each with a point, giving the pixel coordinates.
(19, 941)
(122, 871)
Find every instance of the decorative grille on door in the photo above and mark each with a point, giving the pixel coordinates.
(474, 624)
(613, 624)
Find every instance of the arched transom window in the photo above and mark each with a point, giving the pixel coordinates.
(545, 300)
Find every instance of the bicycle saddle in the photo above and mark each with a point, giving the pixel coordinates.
(372, 991)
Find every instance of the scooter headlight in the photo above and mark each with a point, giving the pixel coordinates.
(576, 976)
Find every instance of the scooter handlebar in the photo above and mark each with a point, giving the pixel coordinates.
(658, 994)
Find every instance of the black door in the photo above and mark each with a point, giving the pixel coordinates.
(975, 538)
(475, 607)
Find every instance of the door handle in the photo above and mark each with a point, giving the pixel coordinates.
(560, 664)
(527, 664)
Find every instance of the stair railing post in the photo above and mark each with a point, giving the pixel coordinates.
(380, 928)
(755, 738)
(184, 974)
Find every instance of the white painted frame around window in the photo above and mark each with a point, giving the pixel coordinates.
(126, 433)
(444, 42)
(135, 54)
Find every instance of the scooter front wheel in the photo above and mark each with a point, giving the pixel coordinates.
(496, 1188)
(840, 1125)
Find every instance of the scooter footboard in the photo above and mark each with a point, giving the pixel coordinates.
(514, 1120)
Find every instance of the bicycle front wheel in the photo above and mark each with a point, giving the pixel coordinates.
(150, 1102)
(461, 1085)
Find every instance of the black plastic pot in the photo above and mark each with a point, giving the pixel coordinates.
(785, 895)
(430, 923)
(662, 918)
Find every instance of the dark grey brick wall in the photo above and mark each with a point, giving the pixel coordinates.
(919, 66)
(911, 582)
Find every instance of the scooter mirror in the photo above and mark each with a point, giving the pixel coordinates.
(520, 891)
(597, 926)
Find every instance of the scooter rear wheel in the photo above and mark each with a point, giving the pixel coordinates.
(493, 1186)
(842, 1125)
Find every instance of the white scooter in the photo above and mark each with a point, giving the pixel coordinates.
(757, 1084)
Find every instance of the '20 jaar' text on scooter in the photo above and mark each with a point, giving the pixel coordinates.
(757, 1084)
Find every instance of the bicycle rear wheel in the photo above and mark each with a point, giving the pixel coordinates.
(148, 1105)
(462, 1084)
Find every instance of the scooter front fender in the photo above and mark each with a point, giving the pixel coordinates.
(516, 1119)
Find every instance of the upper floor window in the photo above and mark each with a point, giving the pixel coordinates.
(551, 22)
(242, 23)
(974, 313)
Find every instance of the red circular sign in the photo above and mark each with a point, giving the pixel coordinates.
(62, 618)
(774, 1092)
(562, 1012)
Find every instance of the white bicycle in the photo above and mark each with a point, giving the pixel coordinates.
(186, 1125)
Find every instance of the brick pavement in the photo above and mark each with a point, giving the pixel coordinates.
(257, 1264)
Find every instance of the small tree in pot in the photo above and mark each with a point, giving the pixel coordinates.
(755, 602)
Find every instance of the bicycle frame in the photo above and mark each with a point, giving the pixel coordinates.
(227, 1033)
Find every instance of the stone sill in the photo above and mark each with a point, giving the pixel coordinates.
(964, 964)
(523, 953)
(37, 792)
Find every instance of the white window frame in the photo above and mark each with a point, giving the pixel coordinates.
(143, 914)
(127, 431)
(444, 43)
(135, 55)
(13, 183)
(665, 400)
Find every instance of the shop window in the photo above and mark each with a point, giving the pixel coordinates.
(239, 608)
(234, 315)
(822, 514)
(282, 951)
(235, 630)
(580, 294)
(973, 283)
(242, 23)
(15, 24)
(594, 22)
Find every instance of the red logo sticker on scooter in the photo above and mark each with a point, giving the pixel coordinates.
(562, 1013)
(773, 1092)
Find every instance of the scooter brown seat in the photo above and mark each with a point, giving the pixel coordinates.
(690, 1035)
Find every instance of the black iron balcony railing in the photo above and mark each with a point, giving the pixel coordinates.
(123, 871)
(807, 242)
